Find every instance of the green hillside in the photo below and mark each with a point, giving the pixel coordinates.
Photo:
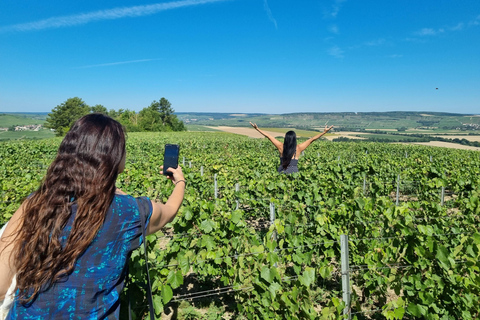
(21, 119)
(347, 121)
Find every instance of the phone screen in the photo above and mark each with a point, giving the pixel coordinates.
(170, 157)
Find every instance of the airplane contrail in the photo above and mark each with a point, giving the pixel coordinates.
(109, 14)
(114, 63)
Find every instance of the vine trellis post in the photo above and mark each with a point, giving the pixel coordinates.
(398, 191)
(272, 221)
(442, 198)
(237, 188)
(364, 185)
(345, 274)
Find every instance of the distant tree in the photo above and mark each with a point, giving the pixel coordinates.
(129, 119)
(149, 119)
(166, 111)
(159, 117)
(64, 115)
(114, 113)
(98, 108)
(178, 125)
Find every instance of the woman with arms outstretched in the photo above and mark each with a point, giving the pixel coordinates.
(69, 242)
(289, 150)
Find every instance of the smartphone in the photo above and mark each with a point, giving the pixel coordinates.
(170, 158)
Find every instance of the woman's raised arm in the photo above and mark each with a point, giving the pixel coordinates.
(275, 142)
(163, 213)
(302, 146)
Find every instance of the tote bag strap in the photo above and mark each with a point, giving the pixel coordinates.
(144, 211)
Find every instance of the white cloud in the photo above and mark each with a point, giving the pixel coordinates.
(337, 5)
(476, 21)
(417, 40)
(336, 52)
(458, 27)
(375, 43)
(109, 14)
(333, 29)
(269, 13)
(426, 32)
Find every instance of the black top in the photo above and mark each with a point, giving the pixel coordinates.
(292, 166)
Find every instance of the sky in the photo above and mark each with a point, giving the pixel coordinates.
(242, 56)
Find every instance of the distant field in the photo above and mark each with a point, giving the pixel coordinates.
(346, 134)
(348, 121)
(387, 137)
(436, 131)
(280, 132)
(446, 145)
(193, 127)
(467, 137)
(8, 120)
(18, 135)
(300, 133)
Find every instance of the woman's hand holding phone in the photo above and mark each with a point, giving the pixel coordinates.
(176, 174)
(170, 157)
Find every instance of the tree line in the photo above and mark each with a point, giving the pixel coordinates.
(159, 116)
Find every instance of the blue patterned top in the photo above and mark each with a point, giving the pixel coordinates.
(93, 290)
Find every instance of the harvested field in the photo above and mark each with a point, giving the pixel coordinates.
(250, 132)
(446, 145)
(466, 137)
(344, 134)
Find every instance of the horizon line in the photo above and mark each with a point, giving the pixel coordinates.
(263, 113)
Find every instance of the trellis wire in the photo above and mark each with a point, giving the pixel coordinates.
(236, 256)
(208, 293)
(218, 291)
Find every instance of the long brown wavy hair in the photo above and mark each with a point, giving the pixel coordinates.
(83, 173)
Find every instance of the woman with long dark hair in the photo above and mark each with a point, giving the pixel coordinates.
(69, 242)
(289, 150)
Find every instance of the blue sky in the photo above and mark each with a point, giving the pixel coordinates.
(242, 56)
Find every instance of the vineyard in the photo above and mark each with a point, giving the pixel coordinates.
(363, 231)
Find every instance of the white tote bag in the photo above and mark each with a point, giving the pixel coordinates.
(6, 304)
